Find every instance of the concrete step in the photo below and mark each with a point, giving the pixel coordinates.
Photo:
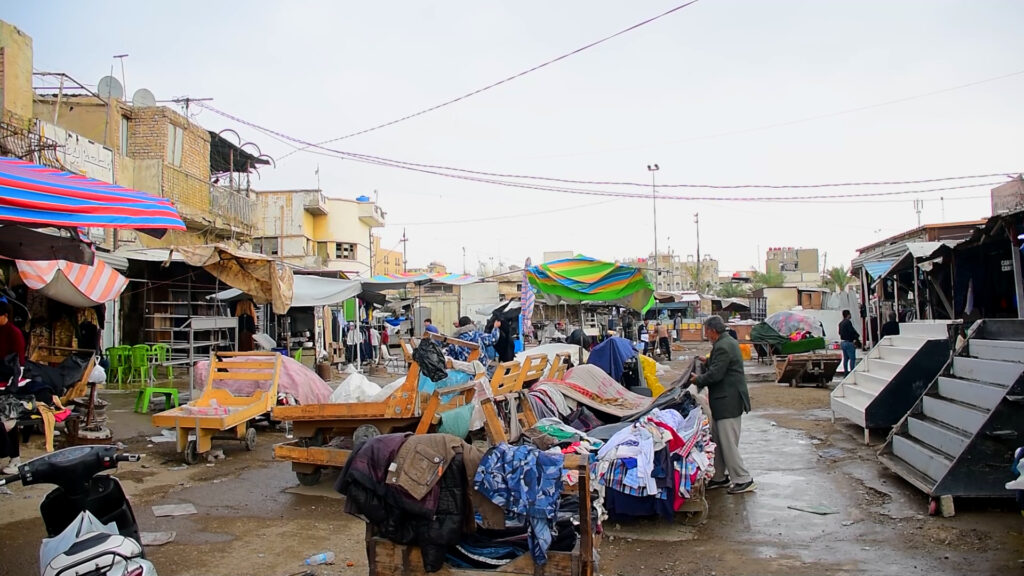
(883, 368)
(927, 330)
(850, 407)
(1005, 350)
(925, 460)
(902, 341)
(961, 416)
(858, 395)
(980, 394)
(907, 472)
(870, 382)
(994, 371)
(891, 353)
(937, 435)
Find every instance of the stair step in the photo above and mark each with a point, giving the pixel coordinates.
(963, 417)
(883, 368)
(945, 439)
(907, 341)
(994, 371)
(858, 395)
(922, 458)
(850, 407)
(907, 472)
(869, 382)
(928, 330)
(1005, 350)
(980, 394)
(892, 353)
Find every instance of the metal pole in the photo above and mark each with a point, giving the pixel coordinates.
(867, 309)
(652, 168)
(917, 303)
(1018, 281)
(696, 220)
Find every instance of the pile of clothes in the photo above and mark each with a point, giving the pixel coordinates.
(458, 504)
(651, 466)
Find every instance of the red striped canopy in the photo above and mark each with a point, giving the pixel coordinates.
(34, 195)
(77, 285)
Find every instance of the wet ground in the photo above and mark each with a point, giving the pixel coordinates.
(248, 522)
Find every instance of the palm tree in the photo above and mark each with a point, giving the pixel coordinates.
(838, 279)
(731, 290)
(769, 279)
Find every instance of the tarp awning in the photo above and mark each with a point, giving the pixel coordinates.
(582, 279)
(665, 297)
(78, 285)
(35, 195)
(308, 291)
(878, 268)
(261, 277)
(396, 281)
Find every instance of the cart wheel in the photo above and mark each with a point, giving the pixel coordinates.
(309, 478)
(250, 439)
(697, 518)
(364, 432)
(191, 453)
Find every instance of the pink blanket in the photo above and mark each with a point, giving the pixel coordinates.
(296, 379)
(589, 385)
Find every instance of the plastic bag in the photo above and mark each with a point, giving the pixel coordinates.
(98, 375)
(355, 388)
(431, 360)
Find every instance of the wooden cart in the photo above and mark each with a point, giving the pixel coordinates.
(55, 355)
(385, 558)
(219, 414)
(319, 427)
(809, 368)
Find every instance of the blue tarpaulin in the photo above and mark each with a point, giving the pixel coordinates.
(611, 356)
(878, 268)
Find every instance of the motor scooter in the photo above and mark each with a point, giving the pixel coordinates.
(91, 527)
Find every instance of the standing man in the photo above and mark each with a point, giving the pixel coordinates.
(677, 325)
(428, 326)
(729, 399)
(663, 342)
(848, 336)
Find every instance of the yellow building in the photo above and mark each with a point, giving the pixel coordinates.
(386, 261)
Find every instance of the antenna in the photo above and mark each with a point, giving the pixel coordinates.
(108, 87)
(918, 205)
(121, 57)
(186, 101)
(143, 98)
(404, 240)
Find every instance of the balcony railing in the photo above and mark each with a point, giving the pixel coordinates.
(234, 207)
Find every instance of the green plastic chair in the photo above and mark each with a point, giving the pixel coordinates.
(297, 355)
(119, 358)
(145, 396)
(139, 368)
(161, 353)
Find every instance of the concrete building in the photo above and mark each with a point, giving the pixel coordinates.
(1008, 197)
(311, 230)
(386, 261)
(672, 274)
(556, 255)
(799, 266)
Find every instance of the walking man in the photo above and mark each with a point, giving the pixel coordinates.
(729, 399)
(848, 336)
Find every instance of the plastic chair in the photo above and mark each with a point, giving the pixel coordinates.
(160, 354)
(139, 368)
(119, 358)
(297, 355)
(145, 396)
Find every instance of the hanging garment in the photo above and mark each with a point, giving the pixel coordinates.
(526, 483)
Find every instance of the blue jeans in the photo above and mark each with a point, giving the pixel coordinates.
(849, 356)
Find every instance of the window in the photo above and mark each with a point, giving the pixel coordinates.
(257, 245)
(124, 135)
(344, 251)
(175, 140)
(270, 246)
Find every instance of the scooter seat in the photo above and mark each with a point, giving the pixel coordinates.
(94, 552)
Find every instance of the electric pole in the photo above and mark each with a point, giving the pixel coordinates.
(696, 220)
(653, 169)
(404, 257)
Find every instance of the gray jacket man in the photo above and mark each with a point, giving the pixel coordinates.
(729, 400)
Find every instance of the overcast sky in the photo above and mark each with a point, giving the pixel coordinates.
(709, 93)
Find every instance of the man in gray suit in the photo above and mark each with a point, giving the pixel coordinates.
(729, 400)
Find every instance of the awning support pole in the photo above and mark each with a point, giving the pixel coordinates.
(867, 309)
(917, 301)
(1018, 281)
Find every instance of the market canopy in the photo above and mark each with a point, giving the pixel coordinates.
(39, 196)
(261, 277)
(308, 291)
(582, 279)
(21, 243)
(400, 280)
(78, 285)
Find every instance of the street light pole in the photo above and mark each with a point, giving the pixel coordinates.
(653, 168)
(696, 220)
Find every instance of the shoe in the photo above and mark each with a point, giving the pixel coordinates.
(748, 486)
(12, 467)
(1017, 484)
(712, 484)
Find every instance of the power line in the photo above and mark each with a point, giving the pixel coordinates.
(509, 216)
(504, 80)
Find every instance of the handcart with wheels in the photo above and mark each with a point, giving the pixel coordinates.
(220, 414)
(807, 369)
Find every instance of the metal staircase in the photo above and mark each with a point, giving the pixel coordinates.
(959, 438)
(893, 376)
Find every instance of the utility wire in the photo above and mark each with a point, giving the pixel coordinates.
(502, 81)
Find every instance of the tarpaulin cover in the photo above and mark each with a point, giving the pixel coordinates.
(582, 279)
(259, 276)
(36, 195)
(308, 291)
(878, 268)
(394, 281)
(589, 385)
(73, 284)
(611, 356)
(765, 333)
(787, 322)
(295, 379)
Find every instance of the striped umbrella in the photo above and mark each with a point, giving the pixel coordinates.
(527, 300)
(35, 195)
(582, 279)
(78, 285)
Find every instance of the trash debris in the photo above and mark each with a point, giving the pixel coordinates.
(813, 509)
(121, 446)
(210, 465)
(157, 538)
(831, 453)
(217, 454)
(182, 467)
(165, 436)
(174, 510)
(4, 490)
(321, 558)
(847, 523)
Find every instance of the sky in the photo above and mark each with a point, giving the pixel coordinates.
(721, 92)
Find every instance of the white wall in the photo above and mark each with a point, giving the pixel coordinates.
(476, 298)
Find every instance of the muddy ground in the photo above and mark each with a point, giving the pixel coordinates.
(249, 521)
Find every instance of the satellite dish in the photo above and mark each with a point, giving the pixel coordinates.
(109, 87)
(143, 97)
